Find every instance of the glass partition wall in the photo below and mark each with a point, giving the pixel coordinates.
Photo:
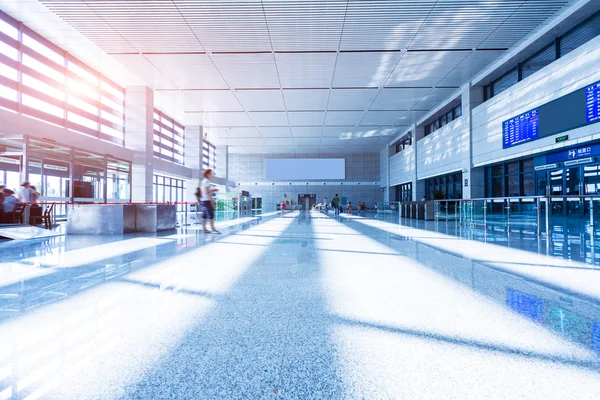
(64, 174)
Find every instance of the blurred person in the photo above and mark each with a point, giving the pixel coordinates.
(349, 208)
(25, 193)
(336, 204)
(207, 201)
(9, 204)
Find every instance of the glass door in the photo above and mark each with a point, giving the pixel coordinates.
(573, 188)
(557, 189)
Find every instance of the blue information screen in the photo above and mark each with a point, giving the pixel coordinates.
(592, 101)
(520, 129)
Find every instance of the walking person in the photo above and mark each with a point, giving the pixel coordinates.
(207, 201)
(336, 204)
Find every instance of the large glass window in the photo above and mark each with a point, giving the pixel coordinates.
(168, 138)
(443, 119)
(56, 87)
(169, 190)
(511, 179)
(560, 46)
(444, 187)
(209, 156)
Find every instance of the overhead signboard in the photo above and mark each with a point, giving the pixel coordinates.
(309, 169)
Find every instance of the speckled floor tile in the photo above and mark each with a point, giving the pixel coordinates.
(296, 308)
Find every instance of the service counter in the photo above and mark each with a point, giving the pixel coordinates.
(118, 219)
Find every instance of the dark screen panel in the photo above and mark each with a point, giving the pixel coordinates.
(566, 113)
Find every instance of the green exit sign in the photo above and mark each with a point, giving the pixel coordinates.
(562, 138)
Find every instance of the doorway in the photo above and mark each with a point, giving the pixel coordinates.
(307, 201)
(578, 180)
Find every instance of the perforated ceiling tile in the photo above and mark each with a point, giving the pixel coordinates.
(306, 118)
(337, 118)
(306, 99)
(261, 100)
(275, 131)
(399, 99)
(351, 99)
(261, 119)
(214, 100)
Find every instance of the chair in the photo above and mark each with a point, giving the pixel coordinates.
(17, 214)
(46, 217)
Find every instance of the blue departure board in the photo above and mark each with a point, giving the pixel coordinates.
(520, 129)
(592, 101)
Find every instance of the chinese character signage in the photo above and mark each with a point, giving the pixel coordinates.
(574, 153)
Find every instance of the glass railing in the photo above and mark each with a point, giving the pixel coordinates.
(390, 208)
(537, 214)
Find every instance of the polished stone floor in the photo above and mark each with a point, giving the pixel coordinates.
(296, 306)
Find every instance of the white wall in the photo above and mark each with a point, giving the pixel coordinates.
(568, 74)
(248, 169)
(445, 150)
(402, 167)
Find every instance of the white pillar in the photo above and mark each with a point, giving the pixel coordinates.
(139, 136)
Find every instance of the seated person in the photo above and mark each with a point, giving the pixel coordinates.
(8, 205)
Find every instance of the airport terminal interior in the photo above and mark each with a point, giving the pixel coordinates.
(299, 199)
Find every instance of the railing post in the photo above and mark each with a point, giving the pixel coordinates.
(484, 214)
(548, 219)
(538, 214)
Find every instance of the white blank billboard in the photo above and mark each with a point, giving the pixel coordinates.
(314, 169)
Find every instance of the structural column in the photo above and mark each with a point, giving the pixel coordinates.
(193, 158)
(473, 178)
(139, 136)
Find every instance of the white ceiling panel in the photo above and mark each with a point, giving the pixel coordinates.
(410, 118)
(214, 100)
(306, 131)
(306, 118)
(248, 70)
(225, 119)
(433, 98)
(275, 131)
(305, 25)
(151, 75)
(305, 70)
(279, 141)
(174, 103)
(269, 118)
(364, 69)
(336, 55)
(398, 99)
(227, 26)
(261, 100)
(306, 99)
(337, 131)
(188, 71)
(425, 68)
(381, 117)
(351, 99)
(337, 118)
